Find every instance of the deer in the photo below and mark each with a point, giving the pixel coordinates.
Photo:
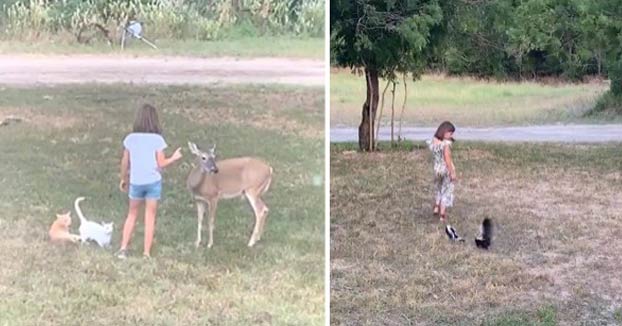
(211, 180)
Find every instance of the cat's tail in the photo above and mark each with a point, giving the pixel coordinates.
(78, 210)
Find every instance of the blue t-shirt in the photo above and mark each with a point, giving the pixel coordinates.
(143, 164)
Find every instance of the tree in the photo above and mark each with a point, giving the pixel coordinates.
(567, 39)
(381, 38)
(606, 15)
(476, 39)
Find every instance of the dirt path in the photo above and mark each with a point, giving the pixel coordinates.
(58, 69)
(550, 133)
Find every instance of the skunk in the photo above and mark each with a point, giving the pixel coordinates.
(484, 240)
(452, 234)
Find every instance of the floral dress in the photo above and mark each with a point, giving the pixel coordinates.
(443, 186)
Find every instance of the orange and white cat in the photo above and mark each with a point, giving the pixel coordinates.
(59, 231)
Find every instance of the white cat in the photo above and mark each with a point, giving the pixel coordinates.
(89, 230)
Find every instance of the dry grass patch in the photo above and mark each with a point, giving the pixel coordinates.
(556, 211)
(36, 118)
(289, 112)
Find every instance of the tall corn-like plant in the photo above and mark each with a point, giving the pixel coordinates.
(274, 15)
(279, 14)
(310, 18)
(162, 19)
(82, 16)
(198, 19)
(27, 19)
(226, 12)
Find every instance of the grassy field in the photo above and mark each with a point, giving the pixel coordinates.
(278, 46)
(468, 102)
(554, 259)
(69, 145)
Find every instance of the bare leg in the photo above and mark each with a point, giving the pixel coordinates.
(151, 210)
(212, 217)
(445, 197)
(438, 188)
(200, 214)
(130, 222)
(443, 214)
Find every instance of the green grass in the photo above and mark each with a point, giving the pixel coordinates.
(276, 46)
(545, 316)
(556, 213)
(69, 145)
(608, 105)
(468, 102)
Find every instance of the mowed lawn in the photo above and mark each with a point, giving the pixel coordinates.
(68, 145)
(467, 102)
(265, 46)
(554, 258)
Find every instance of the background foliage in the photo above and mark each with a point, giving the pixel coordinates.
(569, 40)
(181, 19)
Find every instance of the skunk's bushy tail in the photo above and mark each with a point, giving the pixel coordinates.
(487, 229)
(484, 240)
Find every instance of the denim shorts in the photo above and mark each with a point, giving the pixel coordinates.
(148, 191)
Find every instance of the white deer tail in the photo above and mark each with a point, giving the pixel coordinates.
(78, 210)
(267, 186)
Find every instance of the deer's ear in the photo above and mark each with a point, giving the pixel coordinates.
(193, 148)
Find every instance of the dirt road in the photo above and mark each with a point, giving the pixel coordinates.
(58, 69)
(549, 133)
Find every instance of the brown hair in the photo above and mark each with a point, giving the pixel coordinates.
(147, 120)
(443, 128)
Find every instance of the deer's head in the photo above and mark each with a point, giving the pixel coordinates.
(207, 160)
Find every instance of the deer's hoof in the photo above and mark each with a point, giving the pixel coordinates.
(197, 244)
(210, 245)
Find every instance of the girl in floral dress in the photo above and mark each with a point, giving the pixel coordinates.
(444, 169)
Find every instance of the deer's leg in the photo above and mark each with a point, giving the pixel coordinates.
(262, 206)
(262, 218)
(200, 214)
(255, 202)
(212, 217)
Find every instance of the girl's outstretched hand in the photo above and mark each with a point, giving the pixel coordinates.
(177, 155)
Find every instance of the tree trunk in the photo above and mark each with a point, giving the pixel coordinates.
(379, 119)
(599, 62)
(393, 115)
(399, 132)
(366, 128)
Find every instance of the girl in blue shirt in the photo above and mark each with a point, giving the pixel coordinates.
(143, 156)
